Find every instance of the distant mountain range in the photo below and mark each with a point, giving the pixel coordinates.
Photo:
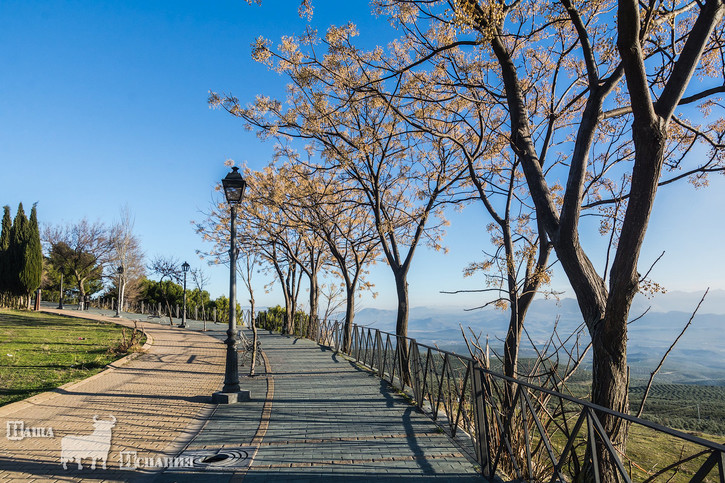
(698, 358)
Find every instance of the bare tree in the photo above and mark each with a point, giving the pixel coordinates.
(557, 66)
(554, 70)
(200, 279)
(334, 297)
(667, 353)
(247, 271)
(262, 230)
(166, 267)
(403, 179)
(127, 254)
(334, 212)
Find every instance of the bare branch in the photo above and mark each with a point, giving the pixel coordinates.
(664, 357)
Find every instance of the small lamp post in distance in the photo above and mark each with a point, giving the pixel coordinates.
(234, 186)
(60, 299)
(185, 268)
(119, 270)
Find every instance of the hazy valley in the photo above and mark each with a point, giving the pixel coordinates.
(698, 358)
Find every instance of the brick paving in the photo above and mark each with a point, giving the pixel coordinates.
(326, 420)
(314, 416)
(154, 397)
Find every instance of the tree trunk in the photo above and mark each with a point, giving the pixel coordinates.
(121, 295)
(254, 335)
(512, 421)
(295, 294)
(511, 345)
(610, 377)
(401, 324)
(610, 388)
(349, 316)
(289, 315)
(314, 302)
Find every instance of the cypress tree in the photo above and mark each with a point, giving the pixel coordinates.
(5, 234)
(31, 270)
(16, 251)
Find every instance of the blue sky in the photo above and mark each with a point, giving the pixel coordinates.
(103, 103)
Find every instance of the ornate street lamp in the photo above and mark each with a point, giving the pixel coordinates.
(119, 270)
(234, 186)
(185, 269)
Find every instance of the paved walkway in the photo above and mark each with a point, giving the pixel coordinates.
(153, 398)
(314, 416)
(324, 419)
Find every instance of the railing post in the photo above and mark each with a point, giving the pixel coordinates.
(479, 411)
(415, 370)
(358, 341)
(381, 349)
(366, 350)
(394, 361)
(428, 357)
(336, 336)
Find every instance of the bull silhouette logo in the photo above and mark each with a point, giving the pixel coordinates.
(95, 446)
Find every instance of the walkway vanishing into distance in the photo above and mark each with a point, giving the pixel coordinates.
(323, 418)
(314, 415)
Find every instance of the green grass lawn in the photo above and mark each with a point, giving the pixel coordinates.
(39, 352)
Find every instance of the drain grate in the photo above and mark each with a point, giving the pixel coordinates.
(224, 459)
(216, 458)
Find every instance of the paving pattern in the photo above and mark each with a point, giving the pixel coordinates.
(313, 416)
(326, 420)
(154, 398)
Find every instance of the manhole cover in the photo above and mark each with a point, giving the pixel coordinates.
(216, 458)
(224, 459)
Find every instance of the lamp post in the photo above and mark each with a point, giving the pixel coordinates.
(119, 270)
(60, 303)
(184, 268)
(234, 186)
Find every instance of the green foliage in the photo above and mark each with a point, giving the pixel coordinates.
(93, 285)
(277, 312)
(75, 264)
(274, 317)
(271, 319)
(684, 406)
(163, 292)
(21, 254)
(51, 282)
(7, 225)
(154, 292)
(222, 309)
(39, 352)
(18, 240)
(199, 298)
(31, 269)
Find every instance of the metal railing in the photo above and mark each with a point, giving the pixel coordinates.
(539, 434)
(193, 311)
